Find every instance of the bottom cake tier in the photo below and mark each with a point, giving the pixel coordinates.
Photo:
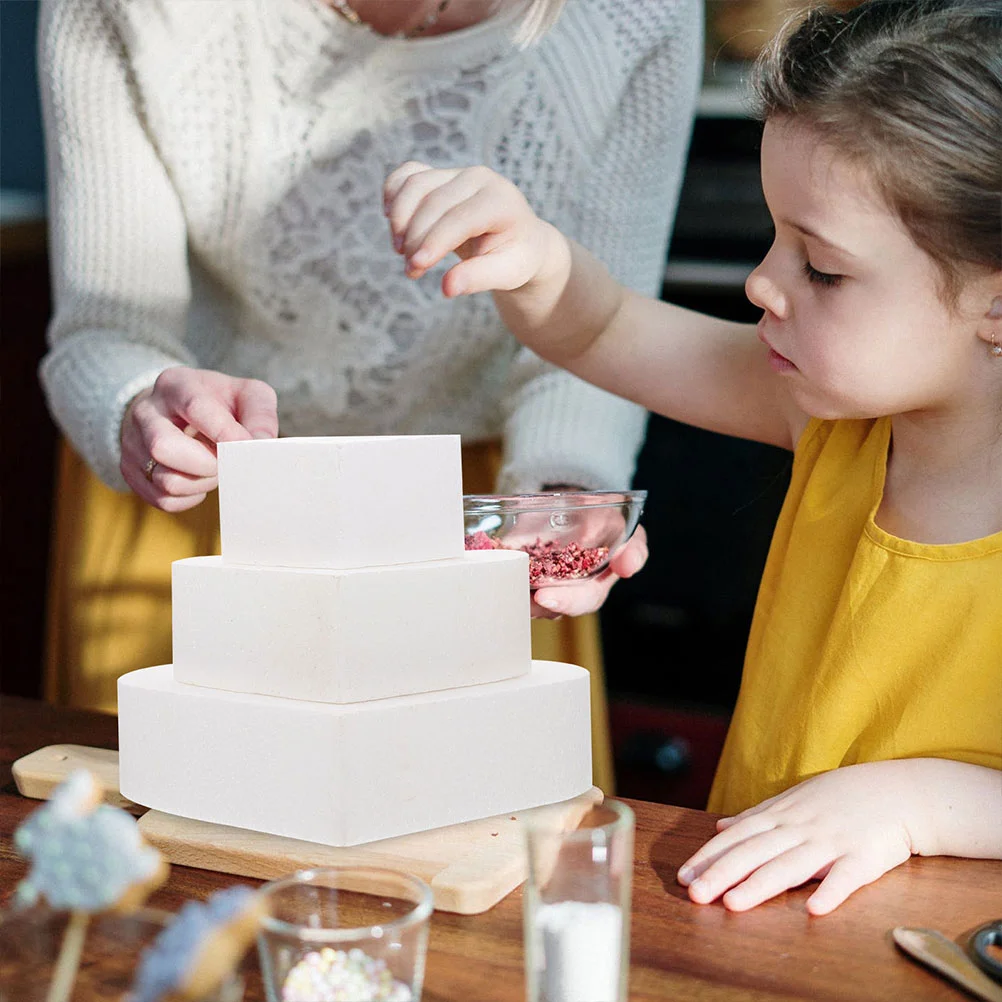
(347, 774)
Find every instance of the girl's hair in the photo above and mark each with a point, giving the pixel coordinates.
(912, 89)
(538, 18)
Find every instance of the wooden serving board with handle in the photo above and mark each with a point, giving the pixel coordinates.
(470, 867)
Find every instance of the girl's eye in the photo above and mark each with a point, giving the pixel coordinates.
(821, 277)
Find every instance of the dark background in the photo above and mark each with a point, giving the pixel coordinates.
(674, 636)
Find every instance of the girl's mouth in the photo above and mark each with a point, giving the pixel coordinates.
(779, 363)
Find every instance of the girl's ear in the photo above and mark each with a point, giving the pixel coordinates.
(990, 325)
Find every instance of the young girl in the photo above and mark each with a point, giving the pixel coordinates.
(869, 723)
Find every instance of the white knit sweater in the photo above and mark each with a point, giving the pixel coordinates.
(215, 172)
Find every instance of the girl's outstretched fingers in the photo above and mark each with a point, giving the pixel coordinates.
(419, 198)
(395, 181)
(473, 212)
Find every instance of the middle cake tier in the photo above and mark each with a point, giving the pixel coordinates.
(344, 636)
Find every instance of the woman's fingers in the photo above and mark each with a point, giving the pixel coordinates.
(212, 418)
(256, 407)
(151, 433)
(157, 482)
(214, 403)
(536, 611)
(169, 433)
(630, 558)
(576, 599)
(170, 481)
(148, 489)
(581, 598)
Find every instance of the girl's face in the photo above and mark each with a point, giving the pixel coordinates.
(852, 307)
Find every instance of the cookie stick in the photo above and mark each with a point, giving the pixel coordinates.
(203, 944)
(87, 857)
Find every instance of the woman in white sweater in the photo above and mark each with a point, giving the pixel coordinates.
(215, 173)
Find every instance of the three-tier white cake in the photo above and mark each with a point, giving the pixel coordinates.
(346, 671)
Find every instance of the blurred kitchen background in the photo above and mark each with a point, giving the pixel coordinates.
(674, 636)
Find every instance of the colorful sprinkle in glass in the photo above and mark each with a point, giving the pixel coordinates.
(345, 933)
(569, 536)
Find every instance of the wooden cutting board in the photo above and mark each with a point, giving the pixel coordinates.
(470, 867)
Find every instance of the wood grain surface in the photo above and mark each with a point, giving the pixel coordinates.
(470, 867)
(679, 951)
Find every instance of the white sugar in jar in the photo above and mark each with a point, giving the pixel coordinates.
(576, 905)
(580, 945)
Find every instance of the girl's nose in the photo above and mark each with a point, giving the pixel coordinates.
(763, 292)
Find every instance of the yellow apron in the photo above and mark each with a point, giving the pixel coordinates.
(109, 606)
(864, 647)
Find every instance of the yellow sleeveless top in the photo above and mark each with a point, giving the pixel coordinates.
(863, 647)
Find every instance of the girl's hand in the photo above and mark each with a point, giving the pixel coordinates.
(169, 432)
(847, 827)
(473, 211)
(588, 596)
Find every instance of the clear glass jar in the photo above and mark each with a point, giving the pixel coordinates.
(345, 932)
(577, 899)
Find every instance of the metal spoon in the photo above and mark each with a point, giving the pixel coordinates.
(943, 955)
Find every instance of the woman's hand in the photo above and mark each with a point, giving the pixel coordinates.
(169, 432)
(588, 596)
(472, 211)
(847, 827)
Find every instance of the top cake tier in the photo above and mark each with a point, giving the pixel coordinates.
(359, 501)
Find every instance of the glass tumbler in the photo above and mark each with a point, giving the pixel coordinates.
(576, 919)
(345, 933)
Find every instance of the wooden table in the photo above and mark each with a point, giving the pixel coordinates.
(680, 951)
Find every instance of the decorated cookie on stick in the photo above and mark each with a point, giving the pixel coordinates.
(194, 956)
(86, 857)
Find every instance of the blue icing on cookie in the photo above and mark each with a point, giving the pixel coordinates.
(167, 963)
(84, 857)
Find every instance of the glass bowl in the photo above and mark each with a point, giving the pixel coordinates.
(30, 941)
(569, 536)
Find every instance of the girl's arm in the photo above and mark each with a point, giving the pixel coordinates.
(621, 207)
(561, 301)
(848, 827)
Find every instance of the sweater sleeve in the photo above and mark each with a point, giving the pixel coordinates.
(118, 245)
(557, 427)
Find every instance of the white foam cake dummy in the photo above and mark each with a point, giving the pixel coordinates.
(343, 775)
(348, 635)
(358, 501)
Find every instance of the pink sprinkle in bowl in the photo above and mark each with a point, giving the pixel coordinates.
(569, 536)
